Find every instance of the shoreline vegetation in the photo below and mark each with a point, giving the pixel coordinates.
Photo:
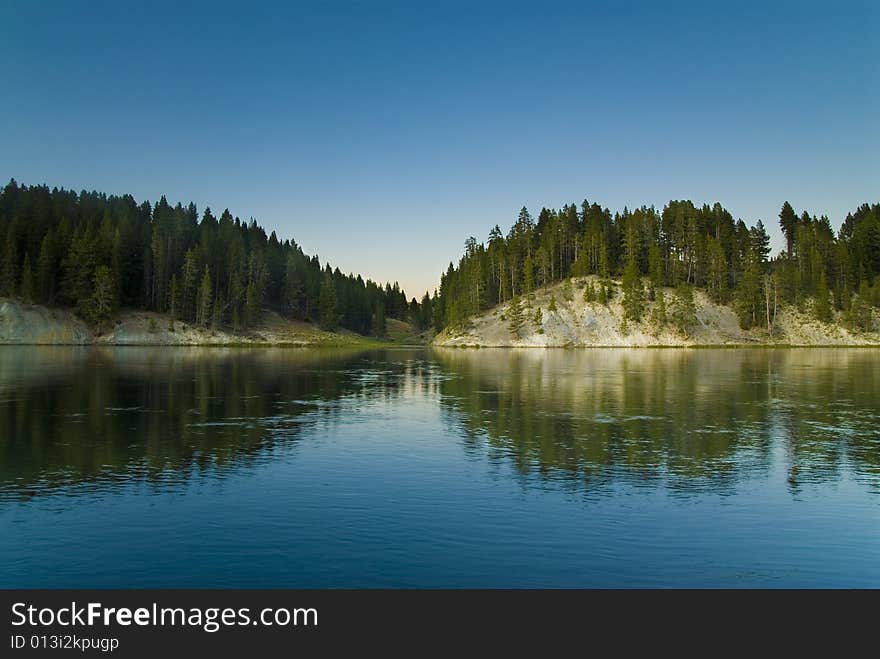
(83, 268)
(29, 324)
(565, 316)
(94, 255)
(683, 275)
(573, 323)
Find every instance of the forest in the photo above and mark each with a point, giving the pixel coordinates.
(95, 253)
(833, 276)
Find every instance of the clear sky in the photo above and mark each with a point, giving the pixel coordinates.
(380, 135)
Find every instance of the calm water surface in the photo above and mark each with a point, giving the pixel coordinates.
(180, 467)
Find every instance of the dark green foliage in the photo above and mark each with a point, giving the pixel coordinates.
(859, 317)
(702, 246)
(788, 222)
(9, 264)
(551, 306)
(822, 306)
(328, 314)
(658, 313)
(567, 291)
(158, 256)
(515, 317)
(27, 280)
(716, 280)
(749, 301)
(589, 293)
(204, 299)
(379, 324)
(102, 303)
(684, 310)
(46, 269)
(633, 293)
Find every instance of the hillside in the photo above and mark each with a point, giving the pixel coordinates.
(577, 323)
(22, 324)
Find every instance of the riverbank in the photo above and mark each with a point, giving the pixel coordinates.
(27, 324)
(577, 323)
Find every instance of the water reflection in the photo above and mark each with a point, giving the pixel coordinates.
(681, 419)
(72, 416)
(691, 418)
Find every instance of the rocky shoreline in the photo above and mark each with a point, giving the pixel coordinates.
(575, 323)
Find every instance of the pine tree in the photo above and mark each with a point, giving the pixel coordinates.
(327, 307)
(203, 301)
(655, 266)
(633, 293)
(551, 306)
(79, 271)
(515, 317)
(103, 298)
(658, 313)
(822, 307)
(175, 298)
(717, 275)
(567, 291)
(528, 275)
(538, 320)
(589, 293)
(27, 280)
(46, 269)
(788, 222)
(252, 304)
(9, 265)
(189, 288)
(749, 301)
(378, 325)
(684, 312)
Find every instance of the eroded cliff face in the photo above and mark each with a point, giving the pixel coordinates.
(28, 324)
(576, 323)
(32, 324)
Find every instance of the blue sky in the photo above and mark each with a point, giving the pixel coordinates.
(380, 135)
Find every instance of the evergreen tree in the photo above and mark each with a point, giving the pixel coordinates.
(760, 241)
(633, 293)
(378, 322)
(822, 306)
(717, 275)
(655, 266)
(589, 293)
(327, 309)
(189, 288)
(538, 320)
(175, 295)
(684, 310)
(515, 317)
(749, 301)
(528, 275)
(46, 268)
(788, 222)
(252, 304)
(658, 313)
(567, 291)
(27, 280)
(204, 299)
(103, 298)
(9, 266)
(551, 306)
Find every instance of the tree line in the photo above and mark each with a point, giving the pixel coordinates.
(682, 246)
(95, 252)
